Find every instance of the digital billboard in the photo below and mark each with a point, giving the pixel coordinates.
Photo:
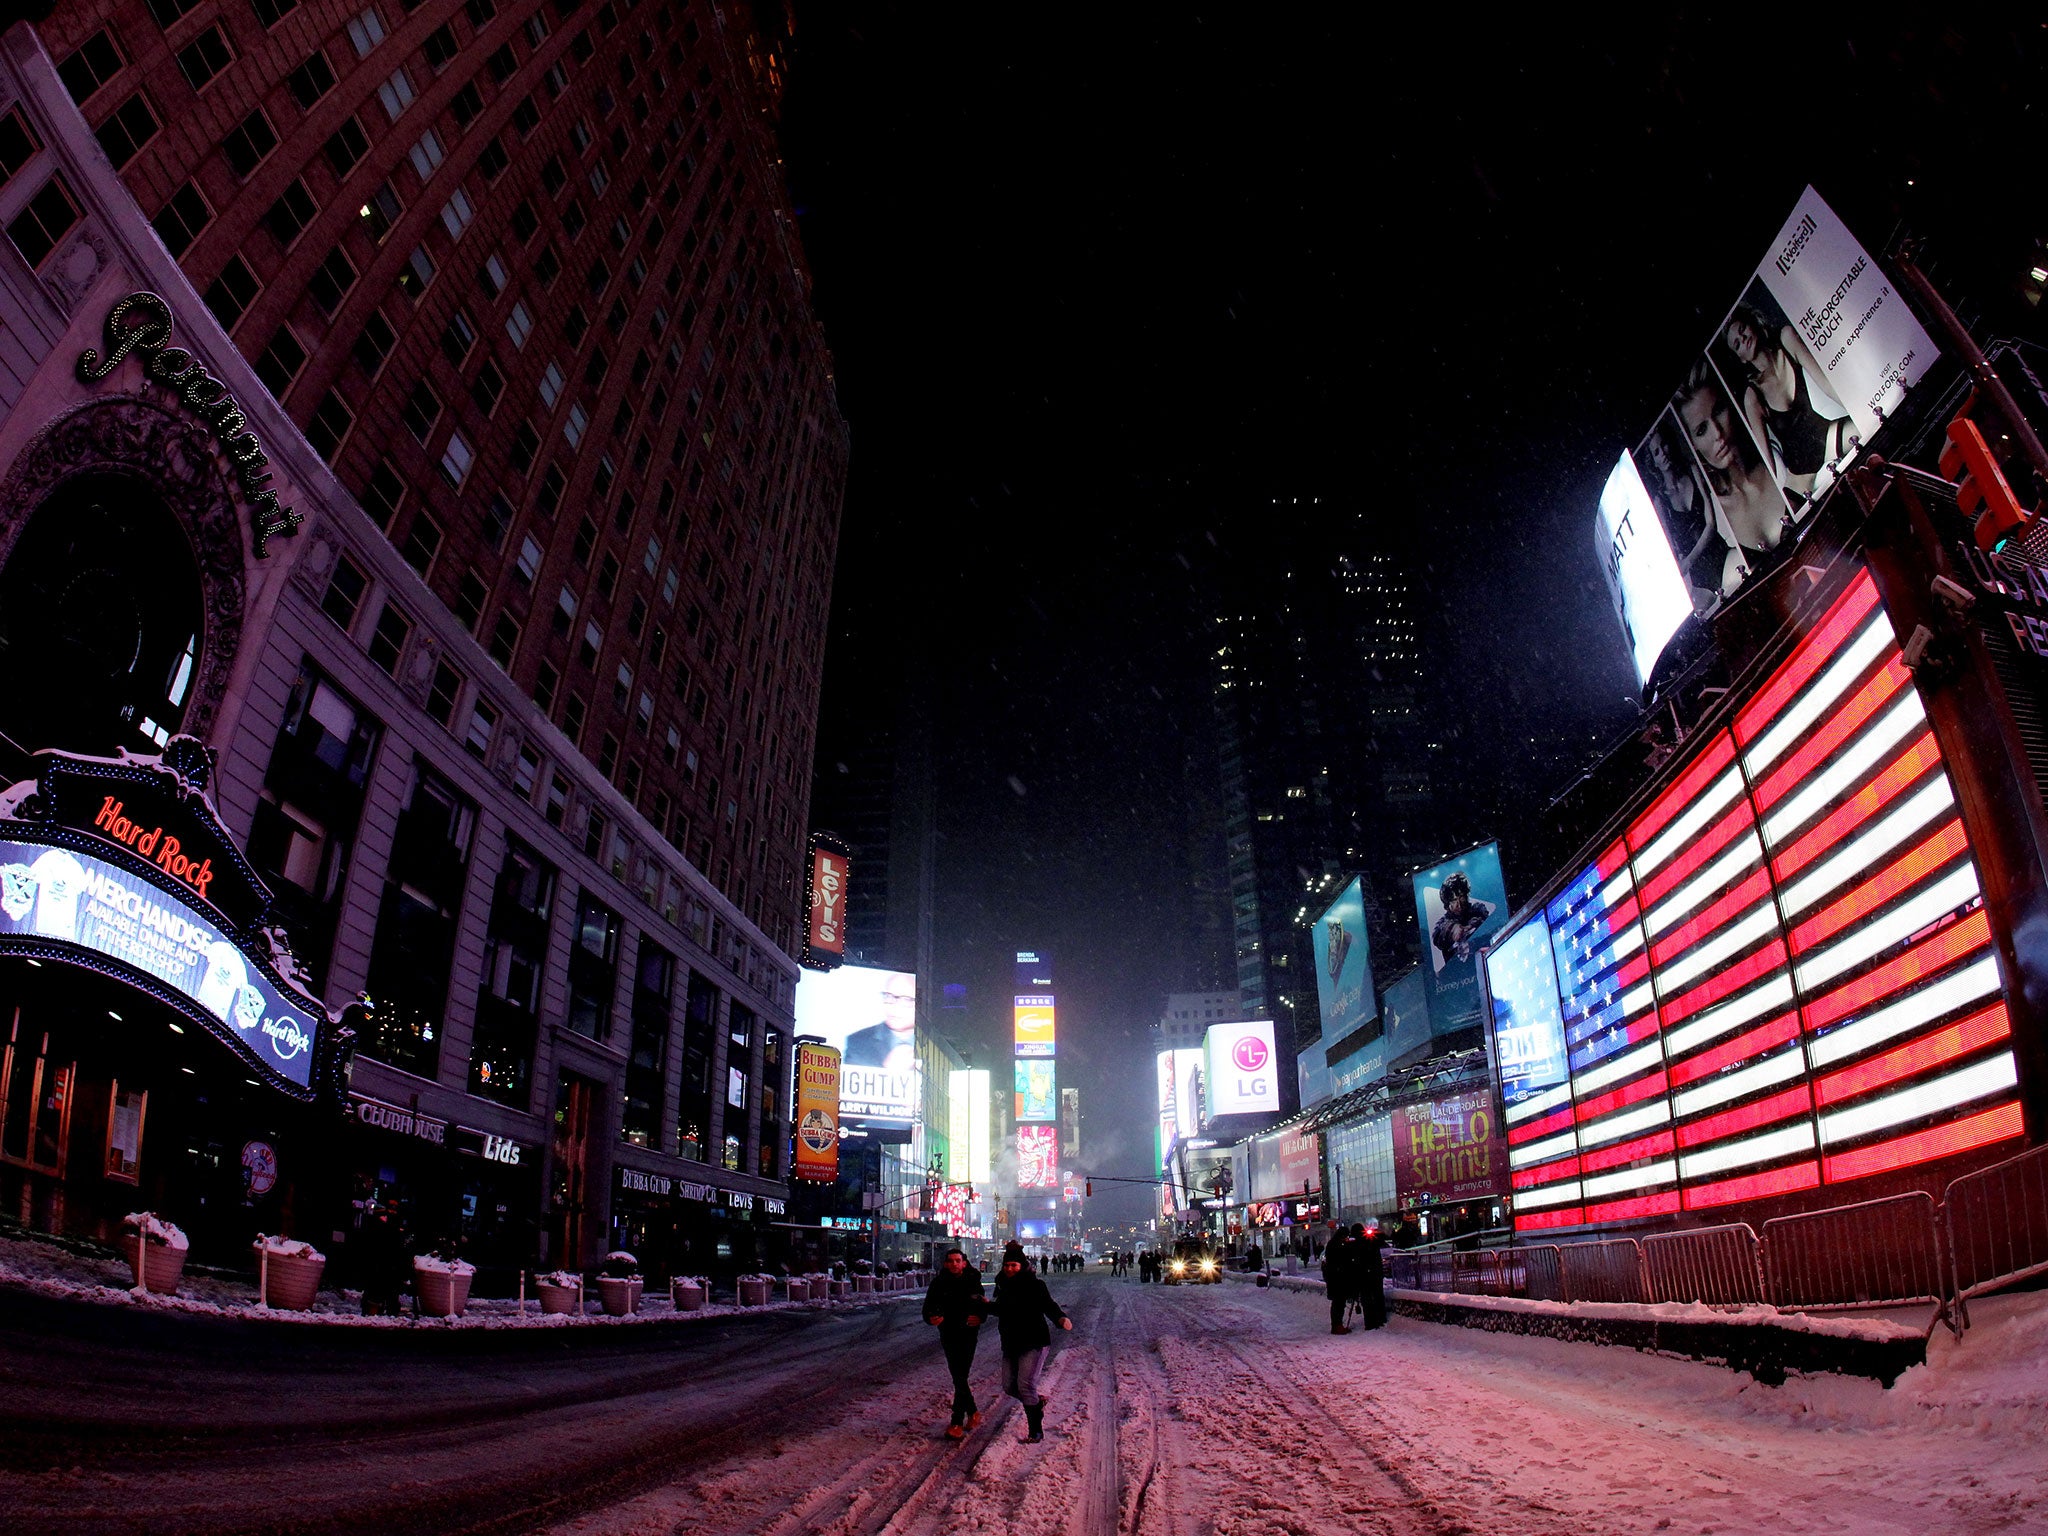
(1241, 1068)
(1033, 1020)
(1037, 1096)
(1461, 904)
(968, 1124)
(1034, 971)
(1648, 590)
(1344, 964)
(1779, 975)
(817, 1113)
(1405, 1008)
(1446, 1150)
(871, 1016)
(1038, 1156)
(1799, 375)
(1528, 1030)
(59, 902)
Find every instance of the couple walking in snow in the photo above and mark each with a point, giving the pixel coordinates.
(1022, 1308)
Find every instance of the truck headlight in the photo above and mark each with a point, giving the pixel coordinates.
(1180, 1266)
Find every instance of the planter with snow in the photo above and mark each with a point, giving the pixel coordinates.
(686, 1293)
(753, 1290)
(561, 1293)
(619, 1283)
(289, 1273)
(161, 1247)
(797, 1289)
(864, 1284)
(442, 1284)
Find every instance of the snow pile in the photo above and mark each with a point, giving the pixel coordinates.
(152, 1228)
(287, 1248)
(435, 1265)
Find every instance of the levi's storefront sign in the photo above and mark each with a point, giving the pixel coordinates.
(121, 866)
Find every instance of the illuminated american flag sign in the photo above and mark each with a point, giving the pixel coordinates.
(1781, 974)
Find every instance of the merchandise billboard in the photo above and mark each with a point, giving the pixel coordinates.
(1037, 1097)
(1798, 377)
(825, 941)
(1779, 975)
(871, 1016)
(1643, 579)
(1038, 1157)
(817, 1113)
(1034, 1024)
(1344, 964)
(1447, 1150)
(967, 1124)
(1241, 1068)
(1461, 904)
(1528, 1030)
(89, 911)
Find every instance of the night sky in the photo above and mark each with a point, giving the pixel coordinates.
(1101, 287)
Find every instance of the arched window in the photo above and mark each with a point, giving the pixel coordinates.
(100, 621)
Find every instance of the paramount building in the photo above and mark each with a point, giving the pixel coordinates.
(408, 644)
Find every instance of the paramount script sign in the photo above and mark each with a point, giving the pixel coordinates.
(141, 323)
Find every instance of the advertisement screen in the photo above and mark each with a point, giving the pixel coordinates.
(1446, 1151)
(1034, 971)
(1800, 374)
(1461, 903)
(1038, 1157)
(871, 1016)
(1300, 1162)
(1034, 1024)
(1242, 1068)
(1037, 1097)
(1169, 1114)
(1405, 1006)
(50, 895)
(1037, 1229)
(1648, 590)
(817, 1113)
(828, 902)
(1188, 1092)
(1528, 1029)
(1344, 965)
(967, 1124)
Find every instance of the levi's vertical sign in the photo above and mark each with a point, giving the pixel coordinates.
(828, 901)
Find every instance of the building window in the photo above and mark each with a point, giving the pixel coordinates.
(346, 589)
(470, 598)
(551, 385)
(530, 554)
(374, 343)
(456, 214)
(440, 47)
(329, 425)
(418, 273)
(205, 57)
(280, 362)
(230, 295)
(271, 12)
(545, 681)
(497, 520)
(427, 154)
(412, 953)
(574, 426)
(504, 640)
(365, 32)
(468, 104)
(346, 146)
(249, 143)
(380, 211)
(483, 721)
(396, 93)
(89, 66)
(593, 968)
(515, 952)
(456, 459)
(422, 543)
(487, 387)
(127, 129)
(331, 281)
(387, 641)
(291, 213)
(518, 325)
(422, 409)
(311, 80)
(180, 220)
(458, 336)
(383, 493)
(444, 693)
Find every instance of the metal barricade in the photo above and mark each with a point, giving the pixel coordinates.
(1611, 1270)
(1720, 1266)
(1997, 1226)
(1872, 1254)
(1542, 1269)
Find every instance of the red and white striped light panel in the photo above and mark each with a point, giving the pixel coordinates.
(1781, 975)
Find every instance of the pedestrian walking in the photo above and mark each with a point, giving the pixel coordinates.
(1340, 1276)
(1371, 1279)
(954, 1304)
(1022, 1307)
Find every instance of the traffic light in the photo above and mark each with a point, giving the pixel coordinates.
(1980, 483)
(1090, 1189)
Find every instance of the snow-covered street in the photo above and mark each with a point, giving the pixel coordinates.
(1219, 1409)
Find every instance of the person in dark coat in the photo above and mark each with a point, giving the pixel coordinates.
(1340, 1277)
(1371, 1276)
(954, 1305)
(1022, 1307)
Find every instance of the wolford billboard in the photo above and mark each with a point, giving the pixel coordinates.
(1241, 1068)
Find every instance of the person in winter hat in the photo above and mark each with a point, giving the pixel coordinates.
(954, 1305)
(1022, 1306)
(1340, 1275)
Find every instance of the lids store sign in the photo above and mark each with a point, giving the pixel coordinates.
(141, 324)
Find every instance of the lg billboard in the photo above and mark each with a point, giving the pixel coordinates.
(1241, 1068)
